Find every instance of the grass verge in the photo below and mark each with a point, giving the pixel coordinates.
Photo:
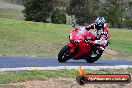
(11, 13)
(13, 77)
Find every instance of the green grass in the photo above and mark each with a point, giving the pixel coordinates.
(30, 38)
(11, 13)
(46, 39)
(121, 40)
(13, 77)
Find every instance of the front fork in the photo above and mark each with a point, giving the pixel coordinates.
(73, 49)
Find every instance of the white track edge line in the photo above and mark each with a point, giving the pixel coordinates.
(65, 68)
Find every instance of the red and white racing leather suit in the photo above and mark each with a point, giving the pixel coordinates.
(101, 34)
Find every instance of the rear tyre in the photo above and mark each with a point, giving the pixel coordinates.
(92, 59)
(63, 55)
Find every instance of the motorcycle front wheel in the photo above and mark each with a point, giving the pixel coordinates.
(63, 55)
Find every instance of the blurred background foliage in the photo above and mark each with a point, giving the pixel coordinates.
(118, 13)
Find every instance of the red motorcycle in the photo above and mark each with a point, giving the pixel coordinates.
(80, 47)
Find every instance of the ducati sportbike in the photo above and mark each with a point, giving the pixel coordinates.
(80, 47)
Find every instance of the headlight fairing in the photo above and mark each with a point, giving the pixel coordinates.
(76, 41)
(88, 38)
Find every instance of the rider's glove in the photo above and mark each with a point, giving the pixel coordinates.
(87, 28)
(98, 42)
(91, 42)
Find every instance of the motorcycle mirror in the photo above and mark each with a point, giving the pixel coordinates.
(74, 24)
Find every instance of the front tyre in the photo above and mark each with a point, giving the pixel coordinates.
(63, 55)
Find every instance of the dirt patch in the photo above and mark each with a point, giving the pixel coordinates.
(114, 54)
(62, 83)
(111, 52)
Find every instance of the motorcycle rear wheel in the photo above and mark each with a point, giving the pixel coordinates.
(90, 59)
(63, 54)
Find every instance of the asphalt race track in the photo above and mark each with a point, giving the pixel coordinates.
(14, 62)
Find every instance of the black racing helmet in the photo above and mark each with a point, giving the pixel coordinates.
(99, 22)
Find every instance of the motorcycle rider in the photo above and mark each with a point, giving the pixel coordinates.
(101, 32)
